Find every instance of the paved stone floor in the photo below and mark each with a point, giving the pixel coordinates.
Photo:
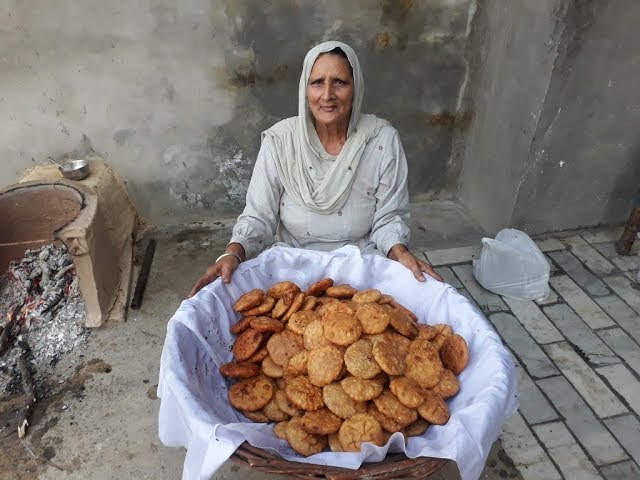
(577, 354)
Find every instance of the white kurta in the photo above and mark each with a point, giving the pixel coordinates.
(374, 217)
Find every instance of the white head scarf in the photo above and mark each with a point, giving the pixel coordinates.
(299, 157)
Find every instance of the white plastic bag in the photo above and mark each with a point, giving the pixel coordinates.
(512, 265)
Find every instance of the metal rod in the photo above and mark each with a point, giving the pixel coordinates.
(143, 276)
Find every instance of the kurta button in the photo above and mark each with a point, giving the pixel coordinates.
(339, 213)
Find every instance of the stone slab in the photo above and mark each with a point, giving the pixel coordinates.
(533, 405)
(553, 267)
(576, 270)
(450, 256)
(626, 429)
(593, 436)
(621, 471)
(624, 382)
(520, 342)
(625, 263)
(449, 276)
(548, 244)
(568, 455)
(577, 299)
(486, 300)
(589, 256)
(623, 345)
(534, 320)
(580, 335)
(621, 313)
(528, 456)
(608, 235)
(626, 289)
(585, 380)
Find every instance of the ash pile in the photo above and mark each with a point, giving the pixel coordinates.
(43, 316)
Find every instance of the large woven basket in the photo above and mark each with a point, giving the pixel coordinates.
(393, 466)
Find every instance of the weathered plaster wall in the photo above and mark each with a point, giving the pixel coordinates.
(585, 157)
(175, 94)
(554, 142)
(512, 50)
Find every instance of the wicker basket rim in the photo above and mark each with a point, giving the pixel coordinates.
(395, 463)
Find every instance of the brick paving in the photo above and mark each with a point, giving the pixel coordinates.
(577, 355)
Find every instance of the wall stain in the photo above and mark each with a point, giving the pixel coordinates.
(396, 11)
(461, 120)
(395, 15)
(123, 136)
(444, 118)
(249, 78)
(383, 39)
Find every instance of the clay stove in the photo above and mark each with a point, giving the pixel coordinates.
(93, 218)
(31, 214)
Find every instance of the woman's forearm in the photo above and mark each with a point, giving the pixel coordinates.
(236, 249)
(397, 250)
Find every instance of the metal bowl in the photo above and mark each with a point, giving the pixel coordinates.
(75, 169)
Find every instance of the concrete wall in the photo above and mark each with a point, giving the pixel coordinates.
(585, 156)
(512, 51)
(527, 109)
(175, 94)
(554, 143)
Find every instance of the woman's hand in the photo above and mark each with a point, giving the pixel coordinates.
(224, 268)
(400, 253)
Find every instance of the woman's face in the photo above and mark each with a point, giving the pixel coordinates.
(330, 90)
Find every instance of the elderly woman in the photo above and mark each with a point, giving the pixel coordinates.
(329, 177)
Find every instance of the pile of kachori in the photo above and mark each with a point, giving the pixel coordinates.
(334, 366)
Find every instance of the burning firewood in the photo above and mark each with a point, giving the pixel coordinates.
(7, 331)
(45, 316)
